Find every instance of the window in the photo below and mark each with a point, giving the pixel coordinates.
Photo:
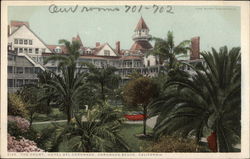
(28, 69)
(19, 82)
(26, 81)
(32, 70)
(10, 58)
(30, 42)
(37, 70)
(106, 53)
(33, 81)
(148, 63)
(30, 50)
(25, 50)
(25, 42)
(20, 41)
(16, 50)
(10, 83)
(10, 69)
(19, 70)
(21, 50)
(43, 50)
(16, 41)
(37, 50)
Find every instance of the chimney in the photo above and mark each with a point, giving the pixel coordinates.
(117, 47)
(97, 44)
(195, 48)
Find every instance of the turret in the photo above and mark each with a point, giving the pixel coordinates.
(141, 31)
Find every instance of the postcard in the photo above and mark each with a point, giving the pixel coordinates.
(124, 79)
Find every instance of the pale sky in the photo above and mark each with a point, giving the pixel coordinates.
(216, 27)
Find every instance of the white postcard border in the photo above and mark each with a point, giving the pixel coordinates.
(245, 83)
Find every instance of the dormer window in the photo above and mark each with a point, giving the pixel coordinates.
(58, 50)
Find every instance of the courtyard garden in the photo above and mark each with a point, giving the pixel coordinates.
(89, 111)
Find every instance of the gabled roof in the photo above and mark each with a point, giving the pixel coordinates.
(99, 48)
(18, 23)
(31, 32)
(141, 25)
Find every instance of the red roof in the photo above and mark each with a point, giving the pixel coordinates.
(141, 45)
(18, 23)
(131, 58)
(52, 48)
(99, 57)
(141, 25)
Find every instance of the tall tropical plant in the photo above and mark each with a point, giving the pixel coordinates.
(99, 132)
(69, 85)
(166, 50)
(105, 78)
(210, 99)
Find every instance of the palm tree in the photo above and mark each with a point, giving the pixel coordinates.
(99, 133)
(105, 77)
(69, 85)
(166, 50)
(208, 100)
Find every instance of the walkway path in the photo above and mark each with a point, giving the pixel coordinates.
(150, 122)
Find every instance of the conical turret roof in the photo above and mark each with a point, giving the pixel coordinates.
(141, 25)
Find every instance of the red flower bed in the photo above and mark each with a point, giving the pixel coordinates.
(134, 117)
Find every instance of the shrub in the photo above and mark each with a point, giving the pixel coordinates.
(46, 139)
(22, 145)
(21, 123)
(16, 106)
(20, 127)
(174, 144)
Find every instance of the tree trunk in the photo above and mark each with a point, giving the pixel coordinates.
(69, 116)
(144, 119)
(217, 137)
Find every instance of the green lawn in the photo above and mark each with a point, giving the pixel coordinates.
(40, 127)
(129, 131)
(55, 114)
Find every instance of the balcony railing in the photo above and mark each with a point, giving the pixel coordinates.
(144, 37)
